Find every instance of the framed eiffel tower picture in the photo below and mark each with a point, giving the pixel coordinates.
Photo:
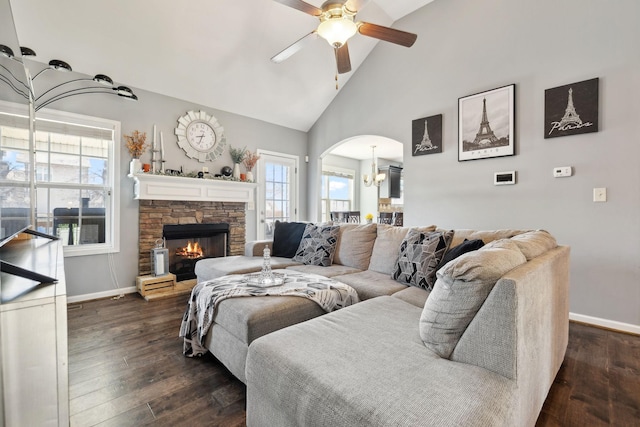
(571, 109)
(486, 124)
(426, 135)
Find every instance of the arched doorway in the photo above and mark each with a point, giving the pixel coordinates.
(347, 161)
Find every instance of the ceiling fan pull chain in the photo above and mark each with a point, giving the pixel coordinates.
(336, 81)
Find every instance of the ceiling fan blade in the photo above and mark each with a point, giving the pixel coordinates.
(356, 5)
(342, 59)
(301, 6)
(387, 34)
(295, 47)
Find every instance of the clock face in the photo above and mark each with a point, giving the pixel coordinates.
(200, 136)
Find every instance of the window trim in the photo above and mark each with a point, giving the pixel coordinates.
(113, 201)
(330, 170)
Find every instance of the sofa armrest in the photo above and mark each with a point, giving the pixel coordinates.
(522, 329)
(256, 247)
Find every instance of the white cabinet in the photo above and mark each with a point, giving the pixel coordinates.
(33, 322)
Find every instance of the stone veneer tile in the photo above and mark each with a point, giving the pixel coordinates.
(153, 214)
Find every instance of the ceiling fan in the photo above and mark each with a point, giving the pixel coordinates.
(337, 25)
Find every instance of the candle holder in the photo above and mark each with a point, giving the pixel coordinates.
(154, 160)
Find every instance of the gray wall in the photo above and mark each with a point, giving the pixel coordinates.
(465, 47)
(91, 274)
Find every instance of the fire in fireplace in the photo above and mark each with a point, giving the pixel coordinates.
(189, 243)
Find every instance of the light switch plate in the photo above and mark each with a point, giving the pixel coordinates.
(600, 194)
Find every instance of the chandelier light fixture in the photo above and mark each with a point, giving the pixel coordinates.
(100, 83)
(376, 177)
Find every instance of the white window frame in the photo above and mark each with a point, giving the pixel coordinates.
(112, 208)
(337, 171)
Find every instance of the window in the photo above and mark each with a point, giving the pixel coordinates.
(75, 164)
(337, 190)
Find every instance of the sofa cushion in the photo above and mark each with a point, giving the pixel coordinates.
(371, 284)
(462, 286)
(387, 246)
(412, 295)
(534, 243)
(461, 249)
(420, 255)
(355, 244)
(365, 365)
(212, 268)
(331, 271)
(286, 238)
(318, 245)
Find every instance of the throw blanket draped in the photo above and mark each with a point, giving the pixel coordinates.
(327, 293)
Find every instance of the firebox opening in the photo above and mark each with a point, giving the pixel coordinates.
(189, 243)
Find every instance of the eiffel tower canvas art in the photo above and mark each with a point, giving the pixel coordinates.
(486, 123)
(426, 135)
(571, 109)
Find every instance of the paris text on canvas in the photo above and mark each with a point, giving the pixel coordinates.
(426, 135)
(571, 109)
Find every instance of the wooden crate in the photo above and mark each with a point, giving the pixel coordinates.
(151, 287)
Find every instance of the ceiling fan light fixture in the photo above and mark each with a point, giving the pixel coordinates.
(336, 31)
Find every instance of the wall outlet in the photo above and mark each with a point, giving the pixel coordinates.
(562, 171)
(600, 194)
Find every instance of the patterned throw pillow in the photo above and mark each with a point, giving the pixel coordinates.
(420, 255)
(318, 245)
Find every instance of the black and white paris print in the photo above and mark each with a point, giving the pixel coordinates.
(571, 109)
(426, 135)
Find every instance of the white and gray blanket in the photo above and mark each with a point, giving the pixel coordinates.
(327, 293)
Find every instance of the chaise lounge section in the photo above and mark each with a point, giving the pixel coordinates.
(481, 348)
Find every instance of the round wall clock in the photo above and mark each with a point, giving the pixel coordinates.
(200, 136)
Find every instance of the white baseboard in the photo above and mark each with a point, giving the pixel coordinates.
(98, 295)
(604, 323)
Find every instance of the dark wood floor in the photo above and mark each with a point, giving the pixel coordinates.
(126, 368)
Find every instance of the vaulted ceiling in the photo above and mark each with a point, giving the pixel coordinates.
(214, 53)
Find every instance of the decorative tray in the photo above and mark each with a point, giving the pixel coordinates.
(256, 279)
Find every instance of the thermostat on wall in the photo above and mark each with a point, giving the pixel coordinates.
(504, 178)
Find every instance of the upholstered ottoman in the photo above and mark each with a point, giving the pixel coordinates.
(238, 321)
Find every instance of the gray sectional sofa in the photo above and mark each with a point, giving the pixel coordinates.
(481, 348)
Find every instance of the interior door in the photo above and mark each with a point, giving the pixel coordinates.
(278, 188)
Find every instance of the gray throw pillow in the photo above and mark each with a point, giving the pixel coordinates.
(461, 288)
(355, 244)
(318, 245)
(420, 255)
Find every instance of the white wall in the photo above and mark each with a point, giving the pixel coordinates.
(465, 47)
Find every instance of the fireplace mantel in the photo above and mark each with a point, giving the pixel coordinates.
(163, 187)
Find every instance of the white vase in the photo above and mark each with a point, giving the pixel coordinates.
(236, 170)
(249, 176)
(134, 166)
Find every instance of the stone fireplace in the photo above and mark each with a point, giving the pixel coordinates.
(168, 202)
(189, 243)
(155, 214)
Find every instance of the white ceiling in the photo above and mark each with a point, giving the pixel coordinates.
(214, 53)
